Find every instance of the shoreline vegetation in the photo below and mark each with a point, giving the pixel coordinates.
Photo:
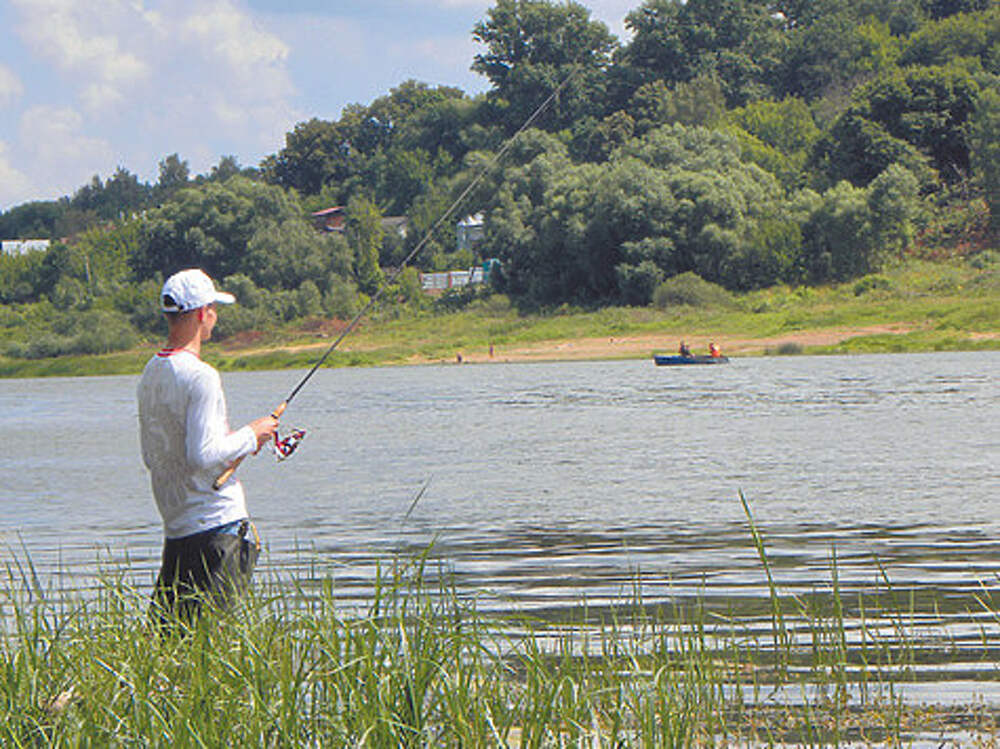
(422, 665)
(919, 306)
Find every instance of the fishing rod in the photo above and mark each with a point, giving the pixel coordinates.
(284, 448)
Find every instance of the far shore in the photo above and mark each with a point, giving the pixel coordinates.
(630, 346)
(643, 345)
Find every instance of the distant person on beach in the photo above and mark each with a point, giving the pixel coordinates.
(211, 546)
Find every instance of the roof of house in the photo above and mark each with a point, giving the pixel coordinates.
(328, 211)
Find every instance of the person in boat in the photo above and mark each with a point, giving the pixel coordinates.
(210, 545)
(714, 351)
(683, 349)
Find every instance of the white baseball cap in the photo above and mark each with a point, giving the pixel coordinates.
(190, 289)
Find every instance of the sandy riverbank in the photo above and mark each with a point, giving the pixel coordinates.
(640, 346)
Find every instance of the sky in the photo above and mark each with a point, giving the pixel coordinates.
(87, 86)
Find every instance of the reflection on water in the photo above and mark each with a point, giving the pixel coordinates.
(551, 483)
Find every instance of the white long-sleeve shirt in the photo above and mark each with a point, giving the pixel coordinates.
(186, 443)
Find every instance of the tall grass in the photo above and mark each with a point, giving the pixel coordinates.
(422, 666)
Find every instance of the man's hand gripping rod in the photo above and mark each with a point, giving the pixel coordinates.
(227, 474)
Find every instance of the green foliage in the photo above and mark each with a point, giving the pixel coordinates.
(636, 283)
(735, 42)
(872, 283)
(923, 110)
(119, 197)
(970, 36)
(700, 101)
(853, 231)
(690, 290)
(893, 198)
(34, 220)
(22, 276)
(287, 254)
(778, 136)
(341, 298)
(91, 332)
(364, 233)
(533, 47)
(984, 140)
(211, 226)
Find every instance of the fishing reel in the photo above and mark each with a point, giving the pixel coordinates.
(283, 447)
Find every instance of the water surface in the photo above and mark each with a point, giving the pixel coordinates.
(547, 483)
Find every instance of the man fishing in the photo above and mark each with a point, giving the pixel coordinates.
(211, 546)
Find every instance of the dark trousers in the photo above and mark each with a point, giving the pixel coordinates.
(210, 568)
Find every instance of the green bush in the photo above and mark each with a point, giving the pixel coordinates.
(91, 332)
(690, 290)
(872, 283)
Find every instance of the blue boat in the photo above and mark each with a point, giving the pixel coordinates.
(672, 360)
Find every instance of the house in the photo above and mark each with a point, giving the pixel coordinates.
(23, 246)
(469, 231)
(330, 219)
(335, 218)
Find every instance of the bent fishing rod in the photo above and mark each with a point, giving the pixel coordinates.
(284, 448)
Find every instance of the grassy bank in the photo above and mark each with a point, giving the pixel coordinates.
(423, 667)
(917, 306)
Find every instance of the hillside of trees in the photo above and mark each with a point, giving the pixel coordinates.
(749, 142)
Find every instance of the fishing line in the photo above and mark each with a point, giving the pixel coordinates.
(391, 278)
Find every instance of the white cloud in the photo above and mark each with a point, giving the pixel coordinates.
(192, 76)
(14, 185)
(85, 42)
(10, 85)
(234, 38)
(61, 154)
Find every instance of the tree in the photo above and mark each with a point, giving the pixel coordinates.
(923, 110)
(700, 101)
(210, 226)
(838, 236)
(316, 153)
(536, 47)
(283, 254)
(984, 140)
(119, 197)
(678, 199)
(174, 174)
(894, 202)
(34, 220)
(946, 8)
(227, 167)
(364, 233)
(968, 35)
(776, 135)
(735, 41)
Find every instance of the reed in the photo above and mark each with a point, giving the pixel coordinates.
(421, 665)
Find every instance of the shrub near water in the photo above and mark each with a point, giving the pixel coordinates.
(689, 289)
(91, 332)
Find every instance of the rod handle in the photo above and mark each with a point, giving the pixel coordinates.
(228, 473)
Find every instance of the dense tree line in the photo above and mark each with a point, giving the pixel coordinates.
(747, 141)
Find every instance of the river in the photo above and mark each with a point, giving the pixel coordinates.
(540, 485)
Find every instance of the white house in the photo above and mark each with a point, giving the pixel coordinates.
(23, 246)
(469, 231)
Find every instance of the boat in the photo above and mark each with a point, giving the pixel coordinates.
(671, 360)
